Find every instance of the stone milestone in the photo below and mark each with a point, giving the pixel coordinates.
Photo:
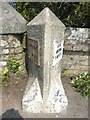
(44, 91)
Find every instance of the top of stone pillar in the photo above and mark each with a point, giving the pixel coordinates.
(46, 16)
(11, 21)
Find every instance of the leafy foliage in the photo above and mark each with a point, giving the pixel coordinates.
(71, 14)
(81, 84)
(12, 65)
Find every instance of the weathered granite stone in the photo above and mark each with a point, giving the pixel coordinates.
(11, 46)
(4, 43)
(20, 56)
(12, 21)
(33, 99)
(76, 39)
(45, 36)
(21, 61)
(5, 51)
(76, 47)
(77, 33)
(76, 70)
(12, 30)
(74, 63)
(4, 57)
(57, 101)
(16, 50)
(2, 64)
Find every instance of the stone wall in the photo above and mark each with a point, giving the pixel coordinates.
(12, 29)
(12, 45)
(75, 58)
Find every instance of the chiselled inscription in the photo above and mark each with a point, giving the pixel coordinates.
(33, 51)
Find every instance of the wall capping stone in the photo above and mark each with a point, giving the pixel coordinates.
(12, 21)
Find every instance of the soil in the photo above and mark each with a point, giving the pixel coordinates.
(12, 94)
(12, 97)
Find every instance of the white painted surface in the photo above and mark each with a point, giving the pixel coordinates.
(57, 52)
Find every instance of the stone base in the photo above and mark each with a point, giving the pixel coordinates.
(32, 100)
(57, 101)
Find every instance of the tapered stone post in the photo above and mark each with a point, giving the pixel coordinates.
(45, 92)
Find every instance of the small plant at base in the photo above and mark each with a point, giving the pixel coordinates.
(5, 78)
(64, 70)
(12, 65)
(81, 83)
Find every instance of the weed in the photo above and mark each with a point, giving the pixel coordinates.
(64, 70)
(12, 65)
(81, 83)
(5, 78)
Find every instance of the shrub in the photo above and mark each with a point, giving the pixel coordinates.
(81, 83)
